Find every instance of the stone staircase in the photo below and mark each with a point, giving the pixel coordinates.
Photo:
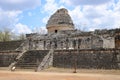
(34, 59)
(31, 59)
(47, 61)
(28, 61)
(13, 64)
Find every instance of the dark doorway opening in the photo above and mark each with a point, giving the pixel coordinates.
(56, 31)
(117, 42)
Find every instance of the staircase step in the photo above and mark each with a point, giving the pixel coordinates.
(26, 67)
(46, 62)
(29, 59)
(27, 63)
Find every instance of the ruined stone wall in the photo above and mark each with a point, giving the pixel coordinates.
(108, 41)
(7, 57)
(84, 42)
(57, 28)
(96, 42)
(81, 42)
(90, 59)
(74, 39)
(10, 45)
(60, 20)
(117, 41)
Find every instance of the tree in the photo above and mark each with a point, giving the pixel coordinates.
(81, 26)
(40, 30)
(5, 35)
(1, 35)
(22, 37)
(18, 36)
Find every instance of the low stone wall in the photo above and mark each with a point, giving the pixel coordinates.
(6, 57)
(10, 45)
(90, 59)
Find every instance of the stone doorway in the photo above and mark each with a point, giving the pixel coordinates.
(56, 31)
(117, 42)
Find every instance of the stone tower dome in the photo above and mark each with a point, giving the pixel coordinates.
(60, 20)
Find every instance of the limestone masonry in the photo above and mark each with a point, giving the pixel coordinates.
(93, 49)
(60, 20)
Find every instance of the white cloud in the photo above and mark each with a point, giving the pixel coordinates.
(90, 17)
(50, 6)
(10, 11)
(45, 19)
(85, 2)
(40, 30)
(78, 18)
(21, 28)
(67, 2)
(88, 14)
(8, 18)
(18, 4)
(92, 12)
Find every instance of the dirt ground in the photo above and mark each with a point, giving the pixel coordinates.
(26, 75)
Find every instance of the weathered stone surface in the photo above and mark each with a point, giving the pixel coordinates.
(47, 61)
(88, 59)
(97, 49)
(7, 57)
(31, 59)
(60, 20)
(10, 45)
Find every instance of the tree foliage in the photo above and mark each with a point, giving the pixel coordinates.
(22, 37)
(5, 35)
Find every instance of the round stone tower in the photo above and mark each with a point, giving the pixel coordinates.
(60, 20)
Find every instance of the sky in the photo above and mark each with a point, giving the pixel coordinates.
(28, 16)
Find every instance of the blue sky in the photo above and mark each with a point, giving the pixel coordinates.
(27, 16)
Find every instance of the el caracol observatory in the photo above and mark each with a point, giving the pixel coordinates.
(63, 47)
(60, 20)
